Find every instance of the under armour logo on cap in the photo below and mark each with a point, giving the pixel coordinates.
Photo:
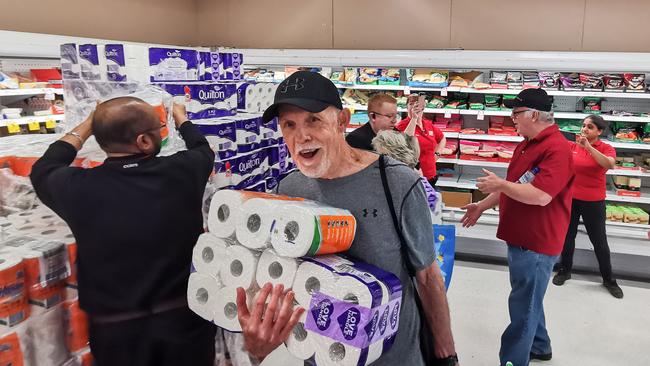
(298, 83)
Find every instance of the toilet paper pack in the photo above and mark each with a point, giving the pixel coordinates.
(231, 66)
(258, 187)
(270, 133)
(92, 62)
(356, 315)
(222, 136)
(241, 171)
(205, 101)
(205, 66)
(70, 61)
(215, 59)
(172, 64)
(126, 63)
(248, 132)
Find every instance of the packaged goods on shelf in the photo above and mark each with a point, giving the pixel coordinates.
(504, 99)
(92, 61)
(530, 79)
(592, 105)
(549, 80)
(171, 64)
(614, 83)
(570, 81)
(450, 149)
(499, 79)
(368, 76)
(626, 213)
(591, 81)
(204, 101)
(492, 102)
(389, 76)
(427, 77)
(626, 132)
(515, 80)
(634, 82)
(456, 198)
(465, 79)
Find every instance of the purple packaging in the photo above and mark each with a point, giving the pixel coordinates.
(170, 64)
(231, 66)
(215, 61)
(69, 61)
(241, 171)
(89, 62)
(205, 66)
(221, 136)
(248, 134)
(115, 62)
(270, 133)
(353, 324)
(205, 101)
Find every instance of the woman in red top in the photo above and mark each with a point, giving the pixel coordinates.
(591, 160)
(430, 138)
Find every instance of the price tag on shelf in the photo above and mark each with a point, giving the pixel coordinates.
(443, 92)
(351, 108)
(407, 90)
(448, 114)
(480, 116)
(50, 123)
(13, 128)
(49, 95)
(33, 126)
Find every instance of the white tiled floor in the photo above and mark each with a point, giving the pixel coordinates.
(588, 327)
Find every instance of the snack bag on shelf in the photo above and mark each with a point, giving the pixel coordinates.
(368, 75)
(530, 79)
(427, 77)
(549, 80)
(614, 83)
(515, 80)
(591, 81)
(499, 79)
(592, 105)
(570, 81)
(634, 82)
(389, 77)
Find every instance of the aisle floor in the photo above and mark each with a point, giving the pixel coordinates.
(588, 327)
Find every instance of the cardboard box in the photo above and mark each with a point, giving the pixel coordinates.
(456, 199)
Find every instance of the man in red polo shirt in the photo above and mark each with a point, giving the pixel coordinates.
(535, 208)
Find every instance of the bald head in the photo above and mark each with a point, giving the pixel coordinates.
(117, 122)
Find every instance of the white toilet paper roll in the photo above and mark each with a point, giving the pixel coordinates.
(301, 341)
(202, 293)
(208, 254)
(352, 290)
(240, 267)
(308, 229)
(60, 233)
(225, 308)
(312, 278)
(276, 270)
(226, 209)
(330, 352)
(253, 229)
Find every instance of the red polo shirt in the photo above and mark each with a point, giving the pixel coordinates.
(541, 229)
(428, 137)
(590, 176)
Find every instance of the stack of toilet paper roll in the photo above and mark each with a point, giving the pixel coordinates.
(13, 293)
(255, 98)
(258, 238)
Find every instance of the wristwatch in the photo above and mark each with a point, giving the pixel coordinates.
(447, 361)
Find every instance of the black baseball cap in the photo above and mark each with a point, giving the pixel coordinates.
(308, 90)
(531, 98)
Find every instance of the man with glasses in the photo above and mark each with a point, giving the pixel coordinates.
(382, 115)
(534, 211)
(136, 219)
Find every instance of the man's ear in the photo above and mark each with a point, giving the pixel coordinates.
(144, 143)
(344, 119)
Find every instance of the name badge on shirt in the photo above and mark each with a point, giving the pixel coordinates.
(430, 133)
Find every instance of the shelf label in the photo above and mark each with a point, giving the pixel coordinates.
(13, 128)
(49, 95)
(448, 114)
(33, 126)
(50, 123)
(443, 92)
(480, 116)
(407, 90)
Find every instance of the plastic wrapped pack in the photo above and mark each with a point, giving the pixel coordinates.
(16, 193)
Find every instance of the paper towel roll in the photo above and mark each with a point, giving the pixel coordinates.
(225, 309)
(202, 293)
(253, 229)
(71, 292)
(12, 313)
(12, 277)
(226, 209)
(308, 229)
(312, 278)
(61, 233)
(240, 267)
(208, 254)
(276, 270)
(331, 352)
(301, 342)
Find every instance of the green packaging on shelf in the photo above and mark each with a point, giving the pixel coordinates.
(492, 102)
(592, 105)
(505, 98)
(389, 77)
(476, 106)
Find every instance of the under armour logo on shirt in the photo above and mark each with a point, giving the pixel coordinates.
(298, 84)
(365, 212)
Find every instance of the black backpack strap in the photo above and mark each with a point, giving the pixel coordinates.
(393, 213)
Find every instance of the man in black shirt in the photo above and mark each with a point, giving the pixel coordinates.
(136, 219)
(382, 115)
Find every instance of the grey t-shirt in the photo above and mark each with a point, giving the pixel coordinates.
(376, 241)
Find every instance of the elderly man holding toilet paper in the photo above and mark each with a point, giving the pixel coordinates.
(136, 219)
(313, 123)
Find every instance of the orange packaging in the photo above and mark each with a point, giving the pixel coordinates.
(23, 165)
(87, 359)
(10, 352)
(76, 322)
(72, 257)
(162, 116)
(46, 297)
(46, 264)
(12, 279)
(337, 233)
(14, 312)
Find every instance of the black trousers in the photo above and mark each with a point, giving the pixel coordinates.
(433, 180)
(172, 338)
(593, 217)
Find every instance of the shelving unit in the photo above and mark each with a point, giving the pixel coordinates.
(30, 119)
(13, 92)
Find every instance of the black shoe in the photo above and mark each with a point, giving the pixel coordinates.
(613, 289)
(541, 357)
(561, 277)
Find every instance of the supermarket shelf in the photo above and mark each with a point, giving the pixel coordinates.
(628, 173)
(628, 145)
(606, 117)
(26, 120)
(11, 92)
(645, 197)
(564, 93)
(473, 163)
(626, 225)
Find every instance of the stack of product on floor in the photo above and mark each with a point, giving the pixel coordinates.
(40, 320)
(255, 238)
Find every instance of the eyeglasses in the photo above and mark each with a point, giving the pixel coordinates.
(514, 114)
(163, 125)
(392, 117)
